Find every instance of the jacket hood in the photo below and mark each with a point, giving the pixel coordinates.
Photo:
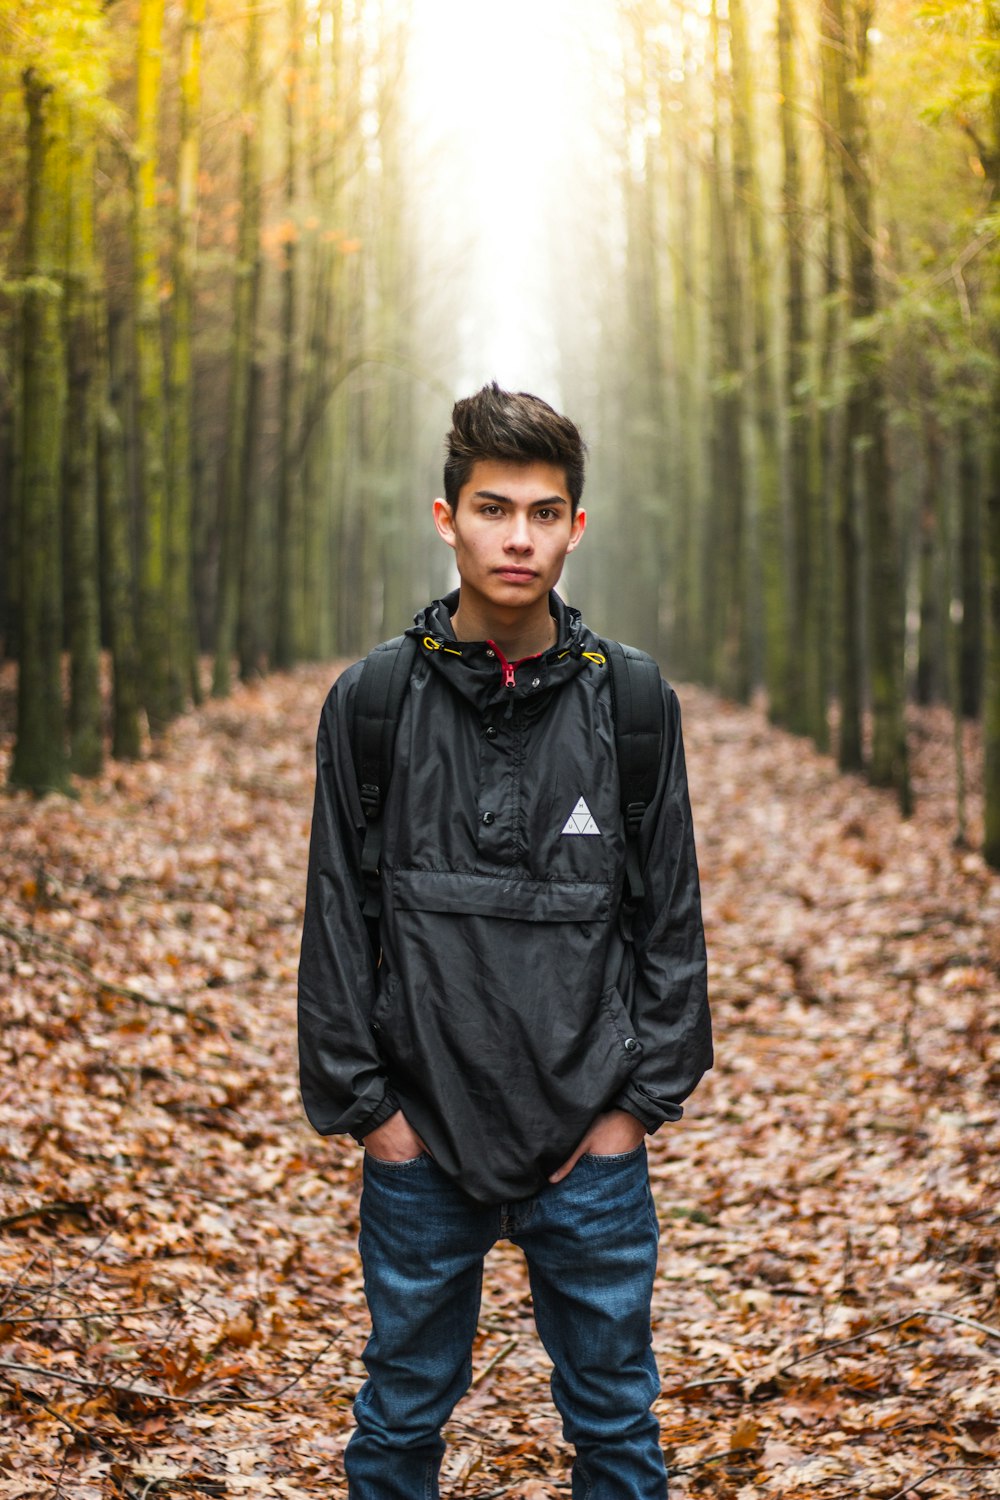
(478, 670)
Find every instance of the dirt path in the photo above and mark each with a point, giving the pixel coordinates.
(836, 1172)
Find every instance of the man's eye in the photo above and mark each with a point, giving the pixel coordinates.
(491, 510)
(546, 514)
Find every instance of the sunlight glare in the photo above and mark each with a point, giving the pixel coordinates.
(502, 103)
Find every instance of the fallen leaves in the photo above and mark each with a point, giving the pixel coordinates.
(177, 1249)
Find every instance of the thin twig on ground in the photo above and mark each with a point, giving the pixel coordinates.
(488, 1369)
(118, 1389)
(18, 1279)
(867, 1333)
(697, 1385)
(54, 1210)
(98, 1313)
(740, 1455)
(940, 1469)
(91, 1440)
(58, 1286)
(920, 1312)
(56, 950)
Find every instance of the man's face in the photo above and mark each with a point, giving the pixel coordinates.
(511, 530)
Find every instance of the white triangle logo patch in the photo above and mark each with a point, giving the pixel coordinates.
(581, 820)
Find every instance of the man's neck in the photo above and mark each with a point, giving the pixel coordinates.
(518, 633)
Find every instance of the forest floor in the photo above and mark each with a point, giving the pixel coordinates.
(181, 1310)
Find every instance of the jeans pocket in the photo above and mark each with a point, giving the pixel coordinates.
(610, 1158)
(394, 1166)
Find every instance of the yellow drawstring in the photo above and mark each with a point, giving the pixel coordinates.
(430, 644)
(594, 656)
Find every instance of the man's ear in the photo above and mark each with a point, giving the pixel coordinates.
(578, 528)
(444, 521)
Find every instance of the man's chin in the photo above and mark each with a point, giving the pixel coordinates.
(517, 595)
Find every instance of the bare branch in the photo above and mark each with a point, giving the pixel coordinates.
(916, 1483)
(488, 1369)
(97, 1313)
(18, 1279)
(48, 1211)
(114, 1388)
(52, 947)
(88, 1439)
(699, 1385)
(57, 1286)
(918, 1312)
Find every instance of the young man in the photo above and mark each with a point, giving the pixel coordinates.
(520, 1035)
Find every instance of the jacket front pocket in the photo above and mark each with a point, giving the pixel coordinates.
(509, 896)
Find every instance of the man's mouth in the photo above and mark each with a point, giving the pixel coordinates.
(516, 573)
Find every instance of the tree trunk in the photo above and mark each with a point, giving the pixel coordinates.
(119, 573)
(806, 707)
(238, 434)
(151, 435)
(317, 462)
(686, 656)
(888, 763)
(254, 631)
(991, 691)
(316, 457)
(991, 698)
(39, 753)
(183, 647)
(970, 549)
(83, 614)
(850, 747)
(638, 608)
(748, 209)
(953, 650)
(932, 650)
(833, 474)
(11, 407)
(288, 643)
(725, 580)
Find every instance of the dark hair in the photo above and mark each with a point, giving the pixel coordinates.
(520, 429)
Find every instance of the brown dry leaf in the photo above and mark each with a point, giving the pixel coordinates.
(241, 1331)
(746, 1434)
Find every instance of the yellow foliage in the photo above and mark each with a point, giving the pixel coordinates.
(69, 42)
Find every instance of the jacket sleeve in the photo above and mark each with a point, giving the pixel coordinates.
(340, 1073)
(670, 1006)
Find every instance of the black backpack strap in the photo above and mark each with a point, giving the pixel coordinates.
(637, 703)
(385, 678)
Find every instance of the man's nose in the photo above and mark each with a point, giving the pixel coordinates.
(519, 534)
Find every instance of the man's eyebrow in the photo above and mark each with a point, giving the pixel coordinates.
(548, 500)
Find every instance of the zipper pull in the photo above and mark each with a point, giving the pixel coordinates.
(505, 666)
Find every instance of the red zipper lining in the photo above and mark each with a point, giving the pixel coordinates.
(509, 667)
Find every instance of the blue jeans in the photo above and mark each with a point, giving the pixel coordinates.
(590, 1242)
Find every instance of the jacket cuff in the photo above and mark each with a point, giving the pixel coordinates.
(636, 1103)
(382, 1112)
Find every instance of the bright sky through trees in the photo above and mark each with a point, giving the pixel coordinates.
(504, 102)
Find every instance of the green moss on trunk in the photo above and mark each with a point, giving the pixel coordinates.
(40, 761)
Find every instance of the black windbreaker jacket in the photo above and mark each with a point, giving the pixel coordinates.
(507, 1010)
